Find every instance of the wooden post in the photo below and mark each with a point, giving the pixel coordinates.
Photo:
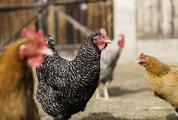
(40, 21)
(175, 18)
(166, 18)
(147, 17)
(124, 22)
(155, 18)
(56, 21)
(51, 25)
(62, 27)
(140, 20)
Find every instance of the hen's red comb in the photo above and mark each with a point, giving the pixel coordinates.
(121, 37)
(103, 32)
(141, 55)
(32, 34)
(121, 34)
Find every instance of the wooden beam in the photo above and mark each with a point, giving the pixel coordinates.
(26, 24)
(77, 25)
(63, 2)
(8, 7)
(21, 6)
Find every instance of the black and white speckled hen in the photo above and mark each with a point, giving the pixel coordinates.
(64, 86)
(109, 58)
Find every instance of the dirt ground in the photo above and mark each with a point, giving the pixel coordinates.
(130, 99)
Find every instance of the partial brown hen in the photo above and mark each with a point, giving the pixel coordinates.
(162, 78)
(16, 80)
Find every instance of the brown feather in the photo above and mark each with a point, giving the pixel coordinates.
(163, 80)
(16, 85)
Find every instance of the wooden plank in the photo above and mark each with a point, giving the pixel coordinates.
(166, 18)
(83, 29)
(175, 28)
(78, 22)
(19, 28)
(62, 28)
(155, 18)
(7, 7)
(109, 17)
(21, 6)
(94, 16)
(147, 17)
(140, 18)
(175, 7)
(56, 23)
(64, 2)
(175, 18)
(50, 21)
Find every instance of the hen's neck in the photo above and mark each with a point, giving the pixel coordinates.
(12, 68)
(157, 69)
(87, 54)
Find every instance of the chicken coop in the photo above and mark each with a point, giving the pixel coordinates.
(148, 26)
(68, 21)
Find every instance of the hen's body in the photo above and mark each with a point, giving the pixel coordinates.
(163, 79)
(109, 58)
(16, 87)
(65, 86)
(165, 86)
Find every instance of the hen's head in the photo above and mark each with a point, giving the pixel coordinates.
(151, 64)
(121, 41)
(143, 60)
(34, 47)
(102, 39)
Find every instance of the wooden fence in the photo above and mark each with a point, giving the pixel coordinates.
(157, 18)
(68, 21)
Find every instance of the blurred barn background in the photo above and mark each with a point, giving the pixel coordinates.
(68, 21)
(150, 26)
(145, 22)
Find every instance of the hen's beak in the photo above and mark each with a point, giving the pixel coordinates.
(141, 62)
(137, 61)
(46, 51)
(108, 41)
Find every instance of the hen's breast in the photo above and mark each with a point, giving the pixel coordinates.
(82, 84)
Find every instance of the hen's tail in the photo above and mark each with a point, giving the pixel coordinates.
(51, 44)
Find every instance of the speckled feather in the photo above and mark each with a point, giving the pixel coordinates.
(65, 86)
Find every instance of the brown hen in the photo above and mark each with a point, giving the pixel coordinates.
(162, 78)
(16, 80)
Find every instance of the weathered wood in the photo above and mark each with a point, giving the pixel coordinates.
(22, 6)
(166, 18)
(64, 2)
(175, 7)
(56, 21)
(175, 18)
(139, 17)
(155, 18)
(62, 28)
(70, 27)
(83, 29)
(51, 25)
(147, 16)
(175, 28)
(94, 16)
(160, 18)
(109, 18)
(11, 21)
